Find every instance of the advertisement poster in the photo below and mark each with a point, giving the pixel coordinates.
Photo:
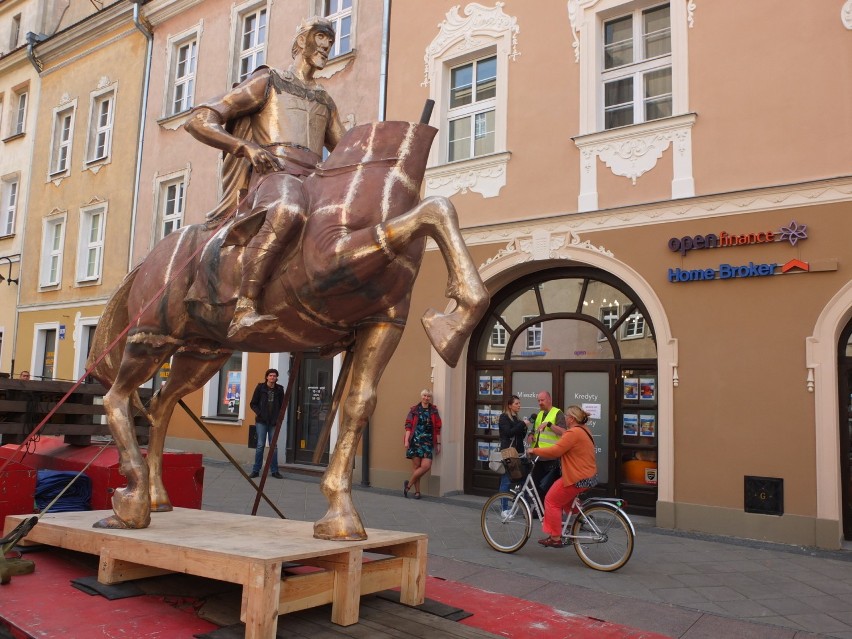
(631, 388)
(594, 410)
(496, 384)
(495, 420)
(482, 450)
(494, 447)
(647, 425)
(647, 388)
(485, 384)
(630, 423)
(483, 417)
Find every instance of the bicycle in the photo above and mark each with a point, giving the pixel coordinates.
(598, 528)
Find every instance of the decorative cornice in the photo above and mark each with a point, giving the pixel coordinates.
(846, 14)
(695, 208)
(462, 33)
(484, 175)
(543, 245)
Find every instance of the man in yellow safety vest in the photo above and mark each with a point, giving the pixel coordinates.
(549, 426)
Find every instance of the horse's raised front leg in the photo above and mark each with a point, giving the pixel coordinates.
(190, 370)
(374, 345)
(131, 504)
(436, 217)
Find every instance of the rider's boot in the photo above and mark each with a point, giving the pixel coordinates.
(246, 318)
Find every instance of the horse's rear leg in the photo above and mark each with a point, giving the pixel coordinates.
(374, 345)
(436, 217)
(190, 370)
(131, 504)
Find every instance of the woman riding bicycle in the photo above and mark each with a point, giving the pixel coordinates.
(576, 451)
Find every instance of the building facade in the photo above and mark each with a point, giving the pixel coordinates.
(660, 220)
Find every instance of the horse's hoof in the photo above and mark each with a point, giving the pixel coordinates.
(162, 508)
(132, 508)
(338, 528)
(447, 334)
(114, 523)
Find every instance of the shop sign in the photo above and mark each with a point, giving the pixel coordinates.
(730, 271)
(792, 233)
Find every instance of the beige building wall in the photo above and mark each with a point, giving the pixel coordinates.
(757, 140)
(93, 73)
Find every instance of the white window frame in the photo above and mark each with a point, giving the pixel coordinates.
(90, 243)
(338, 17)
(499, 336)
(634, 326)
(50, 254)
(594, 143)
(495, 33)
(535, 334)
(18, 122)
(210, 397)
(15, 32)
(98, 128)
(40, 331)
(59, 142)
(257, 52)
(175, 44)
(470, 112)
(10, 196)
(81, 345)
(608, 316)
(161, 216)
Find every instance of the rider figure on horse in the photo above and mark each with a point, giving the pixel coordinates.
(273, 127)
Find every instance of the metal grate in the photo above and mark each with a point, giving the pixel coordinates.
(764, 495)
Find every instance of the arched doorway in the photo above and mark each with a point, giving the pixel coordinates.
(584, 335)
(844, 377)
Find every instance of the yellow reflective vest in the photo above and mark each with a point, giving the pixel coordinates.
(547, 437)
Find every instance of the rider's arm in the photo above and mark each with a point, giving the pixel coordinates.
(207, 122)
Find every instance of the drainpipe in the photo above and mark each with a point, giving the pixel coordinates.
(383, 63)
(143, 27)
(32, 40)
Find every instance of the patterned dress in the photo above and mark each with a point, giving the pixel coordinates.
(420, 443)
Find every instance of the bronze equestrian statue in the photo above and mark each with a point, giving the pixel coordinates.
(334, 273)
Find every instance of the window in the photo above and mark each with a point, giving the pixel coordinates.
(51, 252)
(19, 117)
(498, 336)
(8, 204)
(637, 67)
(100, 127)
(608, 317)
(339, 12)
(171, 205)
(15, 34)
(223, 394)
(63, 127)
(534, 334)
(183, 84)
(471, 114)
(91, 245)
(252, 43)
(634, 326)
(44, 361)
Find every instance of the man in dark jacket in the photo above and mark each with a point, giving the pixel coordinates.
(266, 404)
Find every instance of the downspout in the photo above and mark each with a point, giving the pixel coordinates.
(138, 20)
(32, 40)
(383, 80)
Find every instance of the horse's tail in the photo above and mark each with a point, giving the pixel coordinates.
(113, 321)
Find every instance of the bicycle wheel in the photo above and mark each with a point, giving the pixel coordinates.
(506, 533)
(612, 548)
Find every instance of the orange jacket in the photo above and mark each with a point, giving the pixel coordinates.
(577, 454)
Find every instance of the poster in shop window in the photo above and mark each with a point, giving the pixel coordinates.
(647, 389)
(647, 425)
(496, 384)
(485, 384)
(483, 418)
(482, 450)
(630, 423)
(631, 388)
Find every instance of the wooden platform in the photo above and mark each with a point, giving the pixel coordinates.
(249, 551)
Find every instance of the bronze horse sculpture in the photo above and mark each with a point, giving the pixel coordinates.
(347, 287)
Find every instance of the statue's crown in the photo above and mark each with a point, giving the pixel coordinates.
(314, 23)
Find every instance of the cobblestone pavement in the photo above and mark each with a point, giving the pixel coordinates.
(676, 584)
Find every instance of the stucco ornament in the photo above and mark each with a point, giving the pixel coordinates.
(846, 14)
(480, 26)
(541, 244)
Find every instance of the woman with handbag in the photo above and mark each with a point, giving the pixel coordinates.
(512, 433)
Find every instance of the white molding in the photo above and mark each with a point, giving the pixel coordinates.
(485, 175)
(457, 35)
(633, 151)
(704, 207)
(846, 14)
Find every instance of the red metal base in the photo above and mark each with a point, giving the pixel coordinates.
(183, 474)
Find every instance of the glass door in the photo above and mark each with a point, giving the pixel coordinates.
(313, 402)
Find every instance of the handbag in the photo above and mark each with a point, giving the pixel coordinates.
(495, 462)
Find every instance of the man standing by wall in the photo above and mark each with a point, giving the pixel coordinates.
(266, 404)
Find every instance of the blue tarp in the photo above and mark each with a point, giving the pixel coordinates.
(51, 482)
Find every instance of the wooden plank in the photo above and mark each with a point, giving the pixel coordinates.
(115, 571)
(299, 592)
(347, 588)
(413, 584)
(382, 574)
(261, 594)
